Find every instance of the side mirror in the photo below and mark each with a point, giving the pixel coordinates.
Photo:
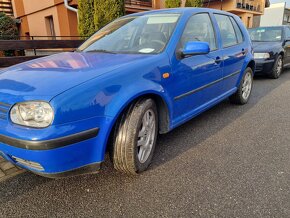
(195, 48)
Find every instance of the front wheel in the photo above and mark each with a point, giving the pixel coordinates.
(278, 68)
(245, 88)
(135, 137)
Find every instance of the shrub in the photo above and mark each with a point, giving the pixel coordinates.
(172, 3)
(194, 3)
(8, 30)
(106, 11)
(94, 14)
(86, 24)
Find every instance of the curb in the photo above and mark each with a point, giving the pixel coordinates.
(8, 170)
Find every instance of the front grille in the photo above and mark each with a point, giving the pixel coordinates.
(4, 109)
(28, 163)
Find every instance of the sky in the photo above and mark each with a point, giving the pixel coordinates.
(278, 1)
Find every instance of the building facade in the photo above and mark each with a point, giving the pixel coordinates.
(51, 18)
(247, 10)
(45, 18)
(6, 7)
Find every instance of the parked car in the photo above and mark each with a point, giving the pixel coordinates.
(271, 48)
(142, 74)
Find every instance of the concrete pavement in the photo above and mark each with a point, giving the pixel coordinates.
(232, 161)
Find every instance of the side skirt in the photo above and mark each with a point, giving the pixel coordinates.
(188, 116)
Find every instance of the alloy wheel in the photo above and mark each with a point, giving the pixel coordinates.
(146, 136)
(247, 85)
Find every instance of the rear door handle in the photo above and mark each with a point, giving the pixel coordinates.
(218, 60)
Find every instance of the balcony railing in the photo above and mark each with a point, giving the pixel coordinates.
(144, 3)
(249, 5)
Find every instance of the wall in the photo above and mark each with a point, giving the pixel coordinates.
(286, 20)
(31, 6)
(246, 16)
(33, 13)
(273, 15)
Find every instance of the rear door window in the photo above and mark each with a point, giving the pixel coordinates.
(227, 30)
(237, 30)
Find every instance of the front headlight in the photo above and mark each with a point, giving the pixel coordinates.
(36, 114)
(261, 55)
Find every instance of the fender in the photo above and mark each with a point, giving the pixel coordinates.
(136, 91)
(248, 60)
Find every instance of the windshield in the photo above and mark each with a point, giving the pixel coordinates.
(266, 34)
(147, 34)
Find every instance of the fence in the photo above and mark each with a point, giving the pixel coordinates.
(16, 45)
(139, 3)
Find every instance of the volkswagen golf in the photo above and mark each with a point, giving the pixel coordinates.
(139, 76)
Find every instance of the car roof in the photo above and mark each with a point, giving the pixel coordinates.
(181, 11)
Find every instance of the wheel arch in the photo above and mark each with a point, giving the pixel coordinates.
(162, 108)
(252, 65)
(282, 53)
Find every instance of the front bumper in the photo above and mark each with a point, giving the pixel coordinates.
(264, 66)
(51, 143)
(58, 151)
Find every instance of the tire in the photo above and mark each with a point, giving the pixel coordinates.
(135, 133)
(243, 93)
(277, 69)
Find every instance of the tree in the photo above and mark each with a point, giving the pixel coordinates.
(95, 14)
(172, 3)
(8, 27)
(86, 12)
(194, 3)
(8, 31)
(106, 11)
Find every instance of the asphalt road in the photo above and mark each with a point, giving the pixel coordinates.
(232, 161)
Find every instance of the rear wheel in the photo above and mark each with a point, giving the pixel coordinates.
(278, 68)
(135, 138)
(245, 88)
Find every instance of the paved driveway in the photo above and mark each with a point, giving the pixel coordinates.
(231, 161)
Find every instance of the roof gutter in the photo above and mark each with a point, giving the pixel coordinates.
(70, 7)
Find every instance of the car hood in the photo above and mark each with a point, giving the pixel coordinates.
(52, 75)
(266, 46)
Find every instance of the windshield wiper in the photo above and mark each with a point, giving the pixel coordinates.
(102, 51)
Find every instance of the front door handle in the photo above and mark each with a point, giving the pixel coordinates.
(243, 51)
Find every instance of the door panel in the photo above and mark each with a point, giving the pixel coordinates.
(198, 81)
(233, 63)
(234, 50)
(197, 78)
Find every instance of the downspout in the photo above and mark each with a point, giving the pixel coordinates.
(70, 7)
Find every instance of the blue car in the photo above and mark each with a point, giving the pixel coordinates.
(141, 75)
